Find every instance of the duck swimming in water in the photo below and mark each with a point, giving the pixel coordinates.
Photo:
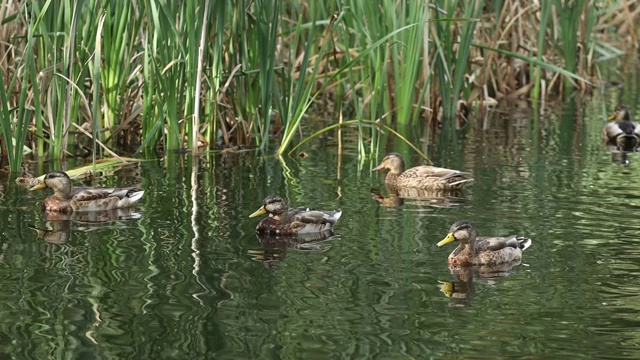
(284, 221)
(67, 198)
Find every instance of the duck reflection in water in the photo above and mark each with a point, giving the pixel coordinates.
(617, 156)
(59, 225)
(418, 197)
(463, 289)
(274, 248)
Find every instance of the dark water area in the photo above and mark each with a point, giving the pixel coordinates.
(188, 277)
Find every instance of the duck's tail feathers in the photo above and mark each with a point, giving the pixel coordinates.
(460, 183)
(333, 216)
(627, 142)
(523, 242)
(136, 196)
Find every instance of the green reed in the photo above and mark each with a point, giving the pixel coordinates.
(545, 9)
(267, 25)
(15, 120)
(450, 34)
(575, 18)
(299, 93)
(406, 57)
(117, 49)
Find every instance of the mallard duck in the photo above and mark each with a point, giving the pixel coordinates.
(622, 131)
(284, 221)
(474, 250)
(67, 199)
(423, 177)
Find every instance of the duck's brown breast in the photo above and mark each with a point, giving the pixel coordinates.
(55, 204)
(272, 226)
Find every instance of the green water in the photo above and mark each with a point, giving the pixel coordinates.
(189, 279)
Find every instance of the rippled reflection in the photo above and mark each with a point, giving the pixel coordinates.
(58, 226)
(274, 248)
(419, 197)
(463, 289)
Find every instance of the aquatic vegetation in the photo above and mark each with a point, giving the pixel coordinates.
(146, 75)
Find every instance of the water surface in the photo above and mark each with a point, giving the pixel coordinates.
(190, 279)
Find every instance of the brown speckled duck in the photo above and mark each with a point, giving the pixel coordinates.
(284, 221)
(67, 199)
(423, 177)
(622, 131)
(474, 250)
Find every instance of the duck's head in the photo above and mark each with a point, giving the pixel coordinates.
(620, 113)
(59, 181)
(272, 204)
(393, 161)
(462, 231)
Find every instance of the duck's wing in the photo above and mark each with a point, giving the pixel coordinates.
(91, 199)
(611, 130)
(309, 216)
(86, 194)
(499, 243)
(434, 171)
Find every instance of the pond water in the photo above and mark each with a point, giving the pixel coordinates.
(190, 279)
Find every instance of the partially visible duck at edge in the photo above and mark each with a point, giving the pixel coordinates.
(621, 131)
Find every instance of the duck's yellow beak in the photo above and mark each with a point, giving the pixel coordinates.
(378, 168)
(40, 186)
(259, 212)
(613, 116)
(447, 240)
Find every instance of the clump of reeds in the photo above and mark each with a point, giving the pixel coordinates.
(143, 75)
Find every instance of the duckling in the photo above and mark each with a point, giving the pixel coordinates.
(67, 199)
(622, 131)
(423, 177)
(474, 250)
(284, 221)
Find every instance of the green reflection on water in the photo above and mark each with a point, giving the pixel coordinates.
(185, 282)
